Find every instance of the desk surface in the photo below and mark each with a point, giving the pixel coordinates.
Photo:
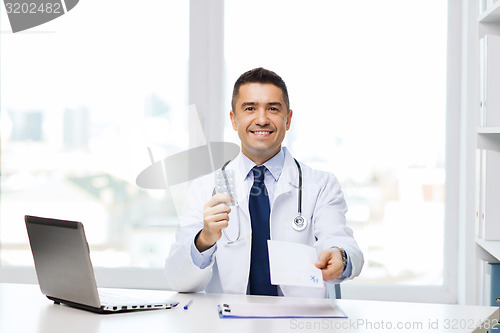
(24, 309)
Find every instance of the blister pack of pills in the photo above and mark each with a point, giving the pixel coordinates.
(224, 183)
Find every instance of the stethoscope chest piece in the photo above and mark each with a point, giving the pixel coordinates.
(299, 223)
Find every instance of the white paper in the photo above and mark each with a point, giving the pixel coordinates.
(292, 264)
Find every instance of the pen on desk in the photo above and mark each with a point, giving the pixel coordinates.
(188, 304)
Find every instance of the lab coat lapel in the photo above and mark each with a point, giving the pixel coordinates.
(241, 188)
(289, 178)
(240, 212)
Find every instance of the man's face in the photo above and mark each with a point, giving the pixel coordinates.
(261, 119)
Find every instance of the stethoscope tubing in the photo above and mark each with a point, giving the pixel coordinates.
(299, 203)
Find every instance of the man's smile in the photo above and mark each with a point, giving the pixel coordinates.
(262, 133)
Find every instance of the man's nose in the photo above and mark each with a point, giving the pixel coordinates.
(261, 117)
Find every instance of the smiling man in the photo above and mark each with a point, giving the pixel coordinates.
(219, 249)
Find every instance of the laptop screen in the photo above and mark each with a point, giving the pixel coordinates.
(62, 260)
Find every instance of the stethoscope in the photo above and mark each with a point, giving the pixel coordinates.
(299, 222)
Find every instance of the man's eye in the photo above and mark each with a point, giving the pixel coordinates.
(249, 108)
(273, 109)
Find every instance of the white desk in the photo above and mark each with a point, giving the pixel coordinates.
(24, 309)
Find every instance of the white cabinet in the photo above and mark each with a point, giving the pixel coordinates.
(488, 207)
(488, 123)
(489, 11)
(489, 80)
(488, 138)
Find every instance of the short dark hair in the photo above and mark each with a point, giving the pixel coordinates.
(260, 75)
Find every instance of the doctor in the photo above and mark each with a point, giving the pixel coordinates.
(224, 249)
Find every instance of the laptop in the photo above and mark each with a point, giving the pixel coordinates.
(65, 273)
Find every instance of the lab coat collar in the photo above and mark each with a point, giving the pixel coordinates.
(274, 165)
(288, 178)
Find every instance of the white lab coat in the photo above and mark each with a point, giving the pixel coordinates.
(323, 205)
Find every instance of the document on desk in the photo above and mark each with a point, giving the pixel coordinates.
(292, 264)
(276, 310)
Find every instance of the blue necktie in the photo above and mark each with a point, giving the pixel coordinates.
(258, 204)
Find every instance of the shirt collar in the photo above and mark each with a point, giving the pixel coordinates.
(274, 165)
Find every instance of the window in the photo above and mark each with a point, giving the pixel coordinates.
(82, 100)
(85, 95)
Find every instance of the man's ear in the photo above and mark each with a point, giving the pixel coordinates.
(289, 119)
(233, 120)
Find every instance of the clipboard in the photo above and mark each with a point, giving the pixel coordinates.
(276, 310)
